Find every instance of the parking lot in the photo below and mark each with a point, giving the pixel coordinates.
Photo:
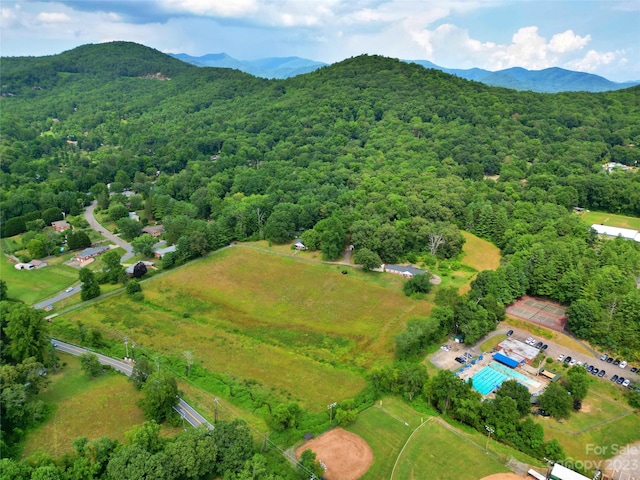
(445, 359)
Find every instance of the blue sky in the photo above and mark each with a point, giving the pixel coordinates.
(596, 36)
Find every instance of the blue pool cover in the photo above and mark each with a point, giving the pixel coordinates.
(509, 362)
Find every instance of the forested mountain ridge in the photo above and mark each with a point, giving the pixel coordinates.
(381, 150)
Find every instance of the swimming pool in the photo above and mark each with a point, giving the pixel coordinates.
(494, 374)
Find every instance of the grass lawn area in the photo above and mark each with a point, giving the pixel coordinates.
(303, 328)
(605, 420)
(436, 452)
(478, 255)
(492, 343)
(31, 286)
(84, 408)
(611, 220)
(385, 432)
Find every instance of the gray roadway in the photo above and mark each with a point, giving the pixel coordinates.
(183, 408)
(93, 223)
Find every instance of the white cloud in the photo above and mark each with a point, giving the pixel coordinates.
(214, 8)
(568, 41)
(592, 60)
(53, 17)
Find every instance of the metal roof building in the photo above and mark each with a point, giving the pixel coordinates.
(627, 233)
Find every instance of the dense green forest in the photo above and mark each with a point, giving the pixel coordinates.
(371, 150)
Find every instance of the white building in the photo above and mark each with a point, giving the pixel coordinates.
(627, 233)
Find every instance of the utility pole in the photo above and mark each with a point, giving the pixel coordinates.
(330, 407)
(490, 430)
(126, 345)
(215, 409)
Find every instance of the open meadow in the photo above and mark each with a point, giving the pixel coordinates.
(478, 255)
(303, 329)
(611, 220)
(84, 407)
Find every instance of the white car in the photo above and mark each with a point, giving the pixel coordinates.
(70, 289)
(623, 364)
(561, 357)
(572, 363)
(626, 383)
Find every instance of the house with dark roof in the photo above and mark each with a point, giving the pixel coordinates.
(154, 231)
(406, 271)
(90, 252)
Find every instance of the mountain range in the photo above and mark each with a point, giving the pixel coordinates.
(549, 80)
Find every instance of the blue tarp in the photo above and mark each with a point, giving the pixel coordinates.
(509, 362)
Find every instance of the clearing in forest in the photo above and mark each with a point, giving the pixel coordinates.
(303, 329)
(611, 220)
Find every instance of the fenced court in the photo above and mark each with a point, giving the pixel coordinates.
(542, 312)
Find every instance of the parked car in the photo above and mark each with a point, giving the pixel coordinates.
(601, 373)
(542, 413)
(567, 359)
(590, 369)
(623, 364)
(626, 383)
(610, 359)
(572, 363)
(460, 360)
(594, 371)
(614, 378)
(539, 345)
(634, 369)
(604, 357)
(560, 357)
(509, 333)
(616, 362)
(544, 347)
(620, 380)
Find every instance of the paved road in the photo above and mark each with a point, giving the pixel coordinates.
(183, 408)
(93, 223)
(61, 296)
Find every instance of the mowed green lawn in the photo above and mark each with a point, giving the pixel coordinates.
(303, 328)
(435, 452)
(31, 286)
(611, 220)
(605, 420)
(385, 431)
(84, 408)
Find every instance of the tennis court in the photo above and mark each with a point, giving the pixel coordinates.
(542, 312)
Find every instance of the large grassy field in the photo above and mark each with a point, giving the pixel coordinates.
(31, 286)
(385, 431)
(304, 329)
(432, 452)
(436, 452)
(478, 255)
(611, 220)
(605, 420)
(84, 408)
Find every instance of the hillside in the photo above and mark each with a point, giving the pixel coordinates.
(384, 153)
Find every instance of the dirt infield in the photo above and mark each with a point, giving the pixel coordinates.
(542, 312)
(503, 476)
(345, 454)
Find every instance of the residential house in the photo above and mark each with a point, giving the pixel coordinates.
(161, 252)
(90, 252)
(154, 231)
(60, 225)
(406, 271)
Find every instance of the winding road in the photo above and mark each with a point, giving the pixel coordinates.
(93, 223)
(185, 410)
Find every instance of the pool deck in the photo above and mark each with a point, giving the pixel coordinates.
(535, 384)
